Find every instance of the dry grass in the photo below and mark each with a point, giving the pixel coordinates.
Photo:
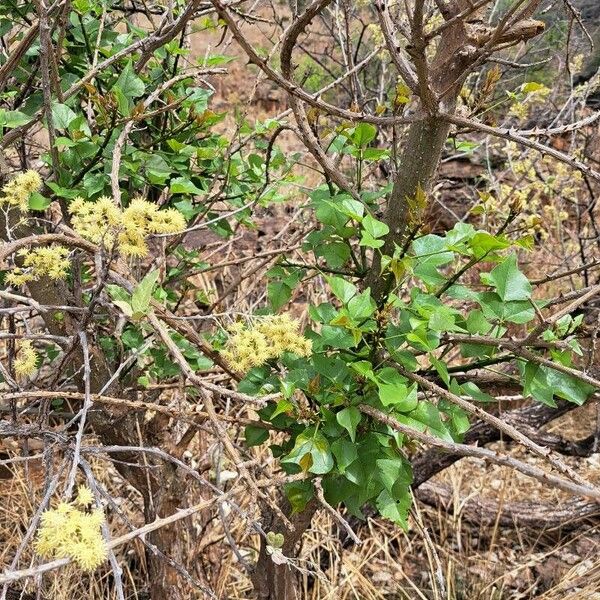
(441, 557)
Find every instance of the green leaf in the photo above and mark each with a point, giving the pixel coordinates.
(375, 153)
(374, 227)
(129, 83)
(62, 116)
(369, 241)
(477, 323)
(364, 369)
(441, 368)
(299, 494)
(336, 254)
(332, 368)
(323, 313)
(510, 283)
(399, 396)
(116, 292)
(327, 208)
(38, 202)
(473, 390)
(337, 337)
(283, 406)
(483, 243)
(431, 253)
(392, 472)
(427, 417)
(13, 118)
(349, 418)
(125, 307)
(279, 294)
(343, 290)
(311, 452)
(543, 383)
(120, 298)
(495, 308)
(255, 435)
(140, 299)
(361, 307)
(443, 318)
(157, 169)
(352, 208)
(345, 453)
(364, 134)
(62, 142)
(182, 185)
(394, 510)
(215, 60)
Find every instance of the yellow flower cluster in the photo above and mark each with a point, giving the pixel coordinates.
(71, 530)
(103, 221)
(576, 63)
(50, 261)
(18, 190)
(532, 94)
(376, 33)
(26, 359)
(269, 337)
(540, 188)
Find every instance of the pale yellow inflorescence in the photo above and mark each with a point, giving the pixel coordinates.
(103, 221)
(269, 337)
(50, 261)
(72, 530)
(540, 202)
(534, 97)
(18, 190)
(26, 359)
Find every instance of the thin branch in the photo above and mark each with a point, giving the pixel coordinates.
(483, 453)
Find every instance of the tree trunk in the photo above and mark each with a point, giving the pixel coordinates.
(280, 582)
(423, 148)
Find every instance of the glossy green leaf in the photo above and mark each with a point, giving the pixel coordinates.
(345, 453)
(349, 418)
(342, 289)
(509, 282)
(140, 299)
(364, 134)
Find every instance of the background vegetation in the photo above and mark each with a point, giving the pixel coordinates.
(298, 299)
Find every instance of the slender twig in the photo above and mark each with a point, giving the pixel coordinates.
(483, 453)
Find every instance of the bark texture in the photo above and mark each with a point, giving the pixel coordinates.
(280, 582)
(423, 148)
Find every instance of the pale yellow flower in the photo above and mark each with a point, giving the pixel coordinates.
(26, 359)
(18, 191)
(68, 532)
(103, 221)
(271, 336)
(48, 261)
(84, 496)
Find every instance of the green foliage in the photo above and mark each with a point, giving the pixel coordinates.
(365, 351)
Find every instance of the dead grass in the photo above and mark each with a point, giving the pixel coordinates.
(454, 560)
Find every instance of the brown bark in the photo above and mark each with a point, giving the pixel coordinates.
(165, 581)
(424, 141)
(535, 514)
(280, 582)
(423, 147)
